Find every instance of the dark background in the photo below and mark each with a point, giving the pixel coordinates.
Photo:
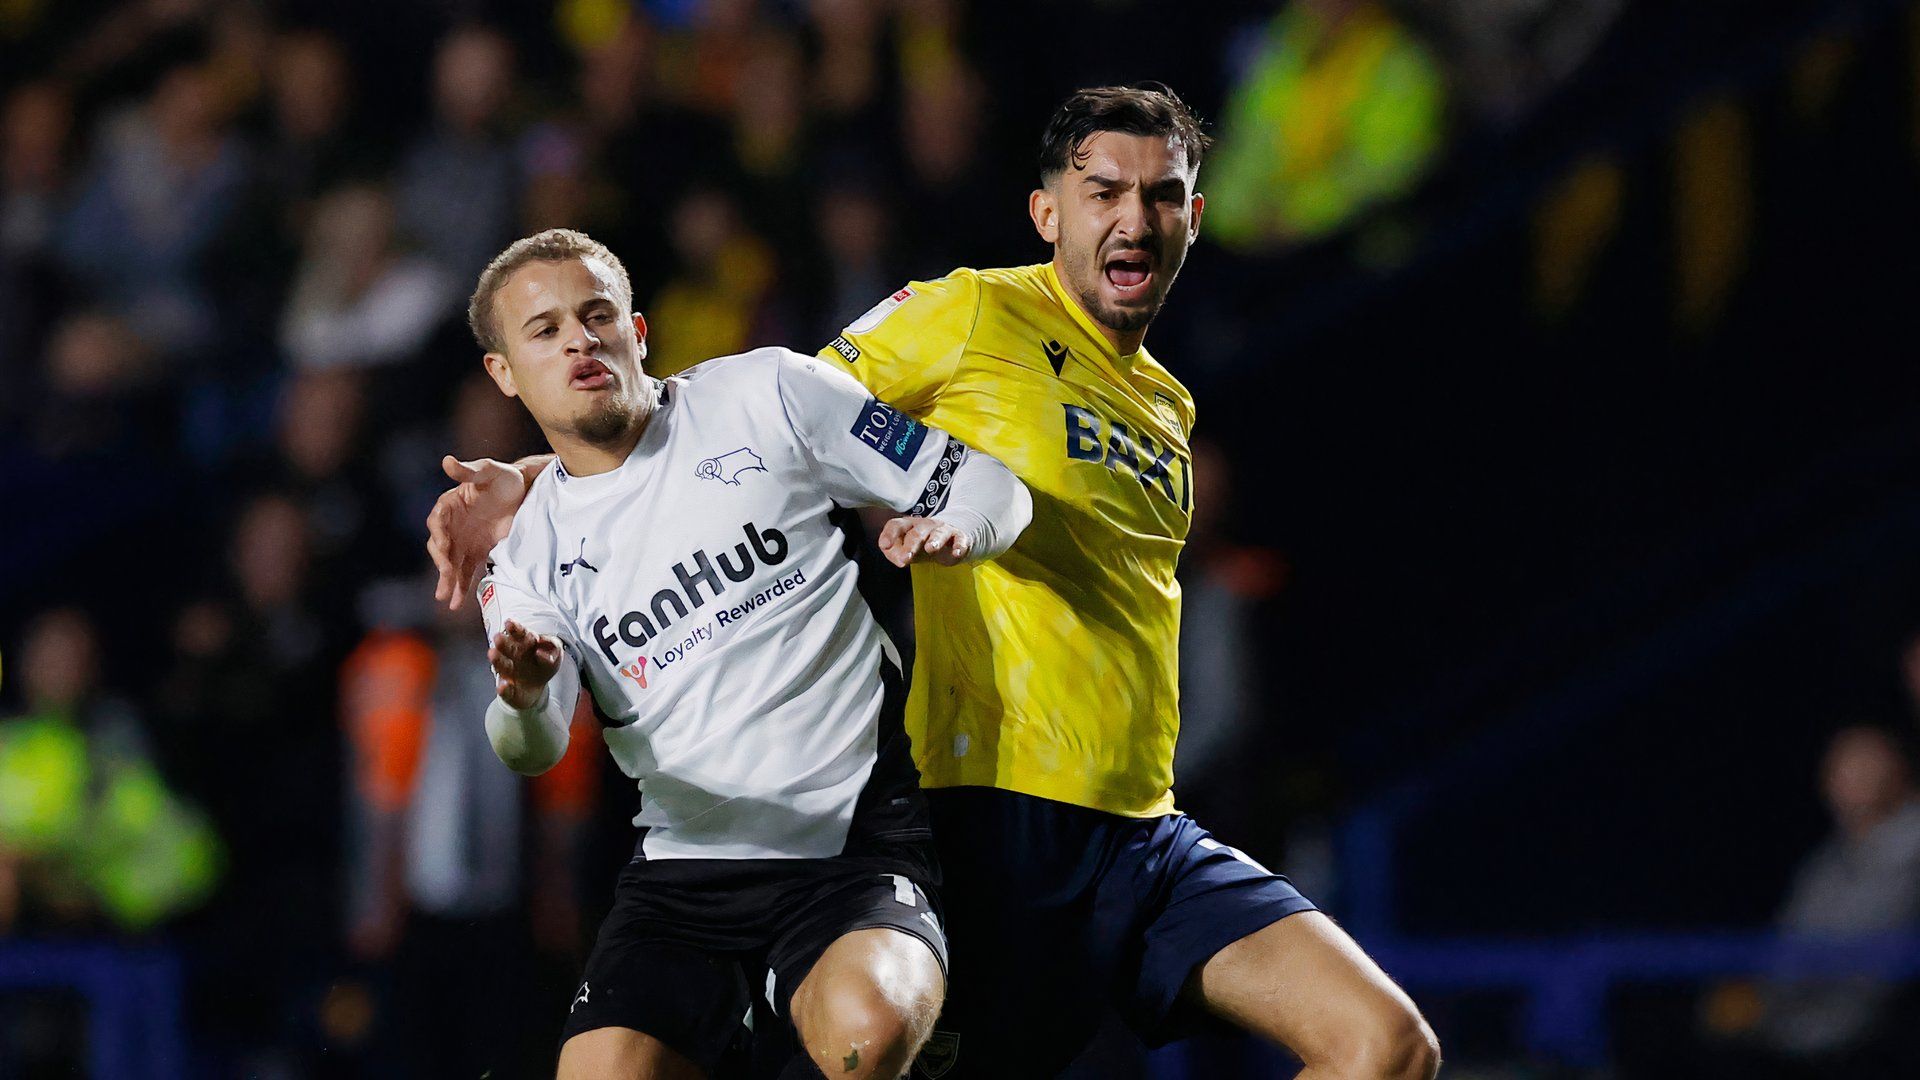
(1568, 585)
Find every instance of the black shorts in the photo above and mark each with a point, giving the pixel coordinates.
(1060, 914)
(689, 942)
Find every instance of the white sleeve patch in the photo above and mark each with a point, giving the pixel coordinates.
(878, 312)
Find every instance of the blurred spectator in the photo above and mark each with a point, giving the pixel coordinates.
(559, 192)
(89, 831)
(770, 149)
(484, 423)
(637, 142)
(1504, 58)
(438, 877)
(91, 836)
(856, 234)
(704, 66)
(249, 728)
(359, 300)
(1863, 883)
(249, 677)
(1910, 676)
(327, 467)
(458, 184)
(721, 301)
(846, 71)
(35, 128)
(1220, 583)
(1339, 109)
(157, 194)
(99, 395)
(941, 121)
(310, 146)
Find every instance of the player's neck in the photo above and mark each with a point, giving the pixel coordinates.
(584, 457)
(1125, 343)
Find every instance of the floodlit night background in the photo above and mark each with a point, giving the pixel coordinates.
(1554, 586)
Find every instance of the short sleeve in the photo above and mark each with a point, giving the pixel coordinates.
(908, 346)
(868, 452)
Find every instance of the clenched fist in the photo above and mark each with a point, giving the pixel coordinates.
(523, 663)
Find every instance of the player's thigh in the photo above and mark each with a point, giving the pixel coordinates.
(1037, 941)
(615, 1053)
(1303, 983)
(873, 994)
(645, 979)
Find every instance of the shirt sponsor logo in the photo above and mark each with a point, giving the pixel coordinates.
(847, 349)
(878, 312)
(763, 547)
(889, 432)
(765, 596)
(728, 466)
(1092, 437)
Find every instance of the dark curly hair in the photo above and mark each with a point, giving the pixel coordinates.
(1147, 109)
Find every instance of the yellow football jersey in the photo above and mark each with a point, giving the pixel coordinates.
(1052, 670)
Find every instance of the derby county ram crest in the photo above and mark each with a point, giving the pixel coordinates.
(728, 466)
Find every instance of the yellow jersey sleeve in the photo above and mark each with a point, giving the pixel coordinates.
(908, 346)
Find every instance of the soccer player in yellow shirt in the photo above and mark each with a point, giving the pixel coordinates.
(1044, 705)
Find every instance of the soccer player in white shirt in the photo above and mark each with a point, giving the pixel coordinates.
(683, 556)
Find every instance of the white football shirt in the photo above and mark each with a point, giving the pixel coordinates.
(708, 597)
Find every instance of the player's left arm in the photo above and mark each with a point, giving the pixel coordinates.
(472, 516)
(957, 504)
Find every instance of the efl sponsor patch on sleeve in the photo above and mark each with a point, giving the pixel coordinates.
(889, 432)
(490, 610)
(879, 312)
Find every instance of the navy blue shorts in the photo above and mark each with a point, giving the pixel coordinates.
(1056, 914)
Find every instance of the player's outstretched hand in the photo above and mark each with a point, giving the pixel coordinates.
(523, 662)
(468, 520)
(905, 540)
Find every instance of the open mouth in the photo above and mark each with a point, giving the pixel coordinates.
(589, 374)
(1130, 271)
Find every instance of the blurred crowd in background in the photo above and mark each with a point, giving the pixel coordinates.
(236, 240)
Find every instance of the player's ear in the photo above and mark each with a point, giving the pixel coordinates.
(502, 373)
(1044, 209)
(640, 334)
(1193, 222)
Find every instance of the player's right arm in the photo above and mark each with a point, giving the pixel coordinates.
(536, 683)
